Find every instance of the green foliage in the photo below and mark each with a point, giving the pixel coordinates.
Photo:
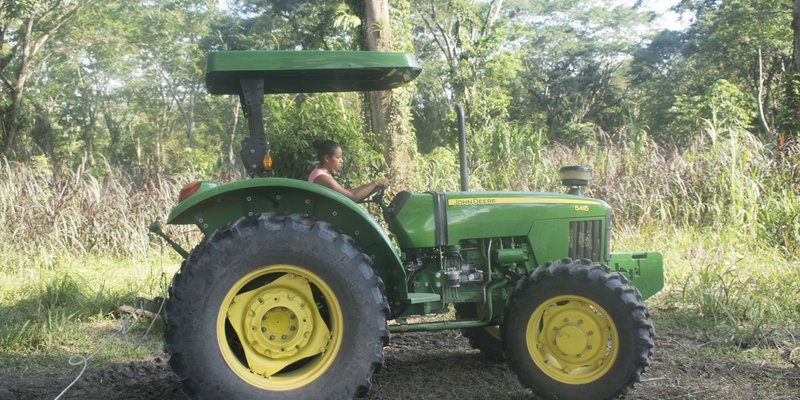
(296, 121)
(724, 42)
(722, 105)
(742, 293)
(791, 118)
(288, 25)
(43, 308)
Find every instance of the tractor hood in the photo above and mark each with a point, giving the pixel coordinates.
(435, 219)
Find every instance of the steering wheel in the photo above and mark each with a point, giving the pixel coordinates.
(378, 196)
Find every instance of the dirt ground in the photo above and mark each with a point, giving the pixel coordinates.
(440, 365)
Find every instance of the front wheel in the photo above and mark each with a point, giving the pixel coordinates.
(572, 329)
(276, 307)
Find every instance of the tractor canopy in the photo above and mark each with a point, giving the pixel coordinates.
(310, 71)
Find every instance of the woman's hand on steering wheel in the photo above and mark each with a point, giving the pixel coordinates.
(376, 194)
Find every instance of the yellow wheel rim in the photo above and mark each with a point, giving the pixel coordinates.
(572, 339)
(271, 331)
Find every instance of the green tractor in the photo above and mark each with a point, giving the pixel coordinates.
(295, 289)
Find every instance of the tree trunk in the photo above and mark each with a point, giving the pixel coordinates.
(190, 120)
(114, 133)
(389, 112)
(88, 134)
(377, 34)
(36, 32)
(42, 132)
(793, 83)
(12, 127)
(796, 41)
(761, 114)
(229, 155)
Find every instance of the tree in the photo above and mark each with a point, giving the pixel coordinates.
(745, 42)
(26, 27)
(796, 36)
(469, 52)
(389, 110)
(575, 59)
(171, 34)
(793, 82)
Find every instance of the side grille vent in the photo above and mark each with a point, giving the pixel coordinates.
(584, 239)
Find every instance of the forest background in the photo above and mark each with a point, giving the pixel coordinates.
(691, 133)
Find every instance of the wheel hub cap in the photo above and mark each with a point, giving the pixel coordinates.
(572, 339)
(278, 324)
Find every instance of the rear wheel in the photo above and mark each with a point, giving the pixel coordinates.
(276, 307)
(573, 329)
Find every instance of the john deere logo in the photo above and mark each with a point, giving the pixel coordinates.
(470, 202)
(481, 201)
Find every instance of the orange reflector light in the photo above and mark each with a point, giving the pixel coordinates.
(188, 190)
(267, 162)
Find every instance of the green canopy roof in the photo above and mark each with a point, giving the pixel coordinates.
(310, 71)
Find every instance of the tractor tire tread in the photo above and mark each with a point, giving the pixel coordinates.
(597, 275)
(194, 277)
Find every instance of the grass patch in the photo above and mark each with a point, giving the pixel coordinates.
(722, 282)
(49, 312)
(83, 338)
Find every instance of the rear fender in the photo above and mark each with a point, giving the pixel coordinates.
(645, 270)
(214, 206)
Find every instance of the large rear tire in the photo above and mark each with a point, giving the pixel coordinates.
(572, 329)
(276, 307)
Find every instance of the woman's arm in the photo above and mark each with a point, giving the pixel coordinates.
(356, 194)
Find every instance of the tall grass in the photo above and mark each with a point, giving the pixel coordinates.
(49, 210)
(726, 177)
(73, 247)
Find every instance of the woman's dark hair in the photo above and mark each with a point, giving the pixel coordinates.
(325, 148)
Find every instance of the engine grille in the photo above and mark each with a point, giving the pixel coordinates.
(584, 239)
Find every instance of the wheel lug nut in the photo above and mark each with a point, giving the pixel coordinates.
(580, 321)
(590, 333)
(283, 337)
(292, 328)
(264, 329)
(271, 337)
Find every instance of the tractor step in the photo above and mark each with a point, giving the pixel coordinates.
(419, 298)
